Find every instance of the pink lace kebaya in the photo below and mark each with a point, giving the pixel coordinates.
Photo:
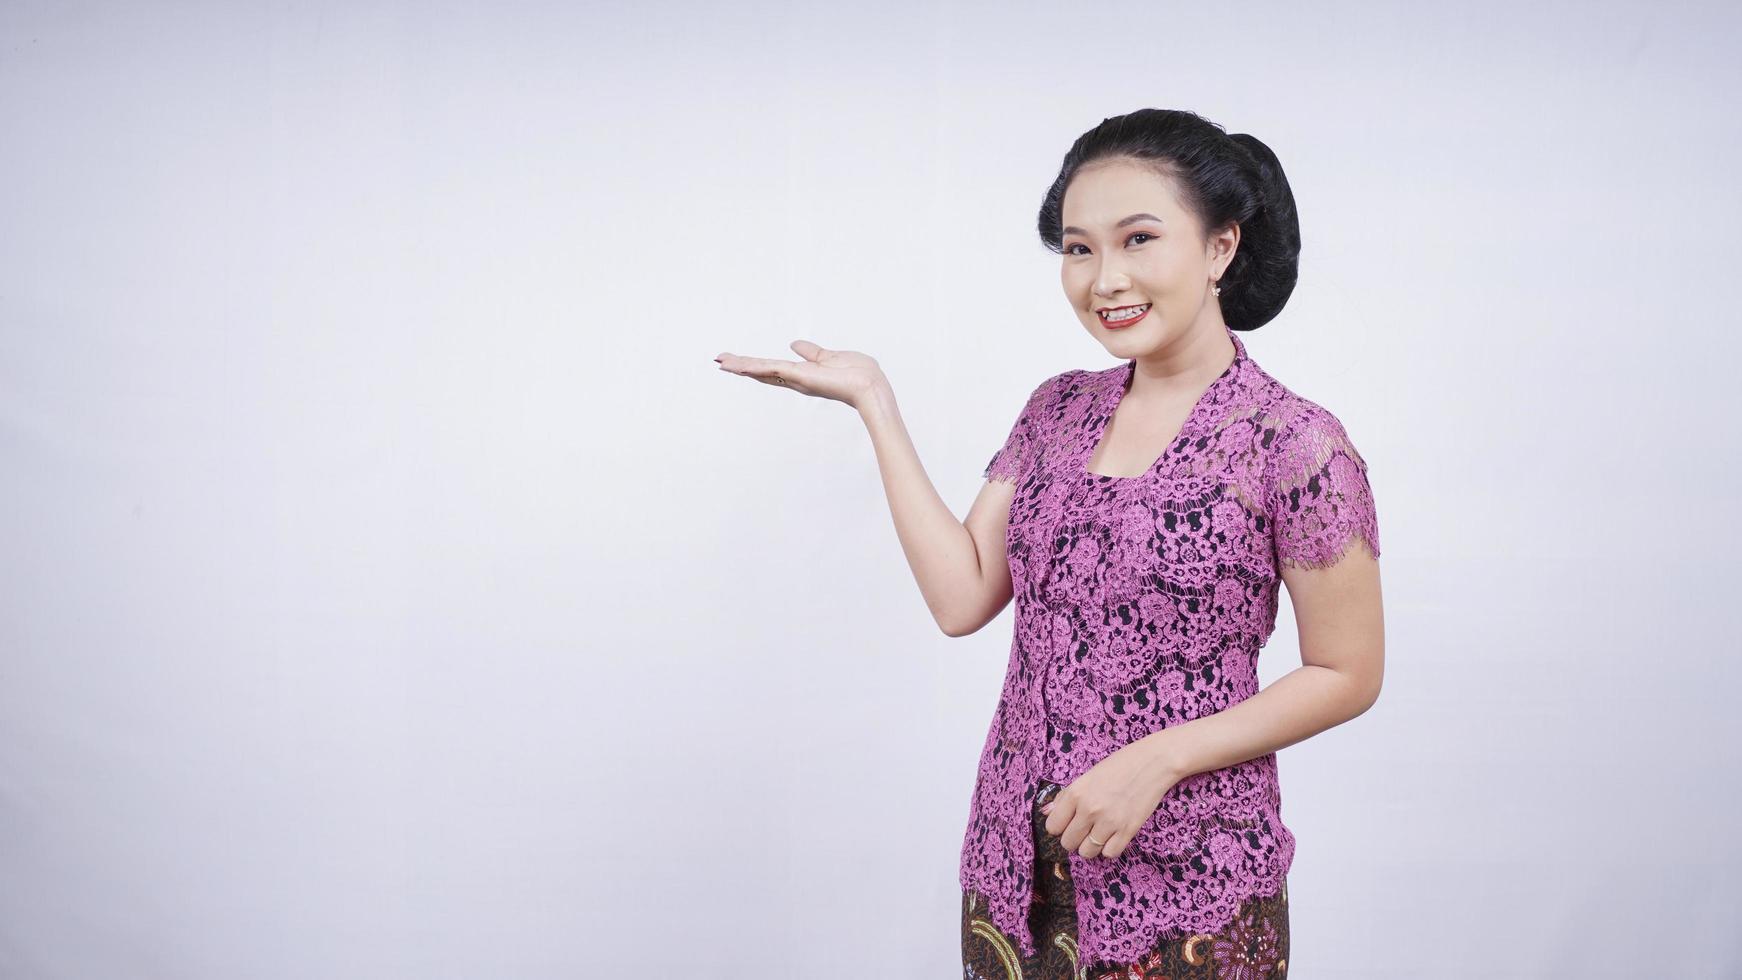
(1141, 603)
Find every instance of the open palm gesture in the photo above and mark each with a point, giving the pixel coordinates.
(842, 375)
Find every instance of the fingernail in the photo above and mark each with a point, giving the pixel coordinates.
(717, 361)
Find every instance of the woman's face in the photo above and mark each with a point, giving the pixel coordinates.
(1128, 242)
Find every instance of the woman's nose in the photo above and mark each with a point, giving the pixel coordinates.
(1110, 282)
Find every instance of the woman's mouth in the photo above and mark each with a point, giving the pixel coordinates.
(1123, 316)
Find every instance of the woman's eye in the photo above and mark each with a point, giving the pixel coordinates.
(1071, 249)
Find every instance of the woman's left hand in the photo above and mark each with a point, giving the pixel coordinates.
(1111, 802)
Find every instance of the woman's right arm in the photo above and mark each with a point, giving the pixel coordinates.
(960, 565)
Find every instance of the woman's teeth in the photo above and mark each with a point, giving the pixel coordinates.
(1115, 316)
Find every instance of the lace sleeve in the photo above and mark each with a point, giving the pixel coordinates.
(1021, 447)
(1319, 497)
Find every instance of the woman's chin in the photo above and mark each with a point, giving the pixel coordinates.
(1122, 341)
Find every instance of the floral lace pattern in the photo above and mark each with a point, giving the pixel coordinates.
(1141, 603)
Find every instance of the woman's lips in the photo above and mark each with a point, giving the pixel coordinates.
(1121, 324)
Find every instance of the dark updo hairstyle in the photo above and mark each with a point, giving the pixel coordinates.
(1222, 179)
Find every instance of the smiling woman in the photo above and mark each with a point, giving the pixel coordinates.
(1144, 517)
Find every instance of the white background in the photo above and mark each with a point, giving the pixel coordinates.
(394, 588)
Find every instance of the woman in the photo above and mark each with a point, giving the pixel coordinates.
(1126, 814)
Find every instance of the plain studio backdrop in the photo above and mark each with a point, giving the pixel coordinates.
(394, 587)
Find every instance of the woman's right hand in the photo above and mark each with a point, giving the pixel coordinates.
(842, 375)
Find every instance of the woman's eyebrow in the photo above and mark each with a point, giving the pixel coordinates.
(1074, 230)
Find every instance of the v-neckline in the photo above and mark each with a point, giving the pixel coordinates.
(1119, 380)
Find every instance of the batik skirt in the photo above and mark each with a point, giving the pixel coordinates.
(1254, 945)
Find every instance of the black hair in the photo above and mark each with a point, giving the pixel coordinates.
(1222, 179)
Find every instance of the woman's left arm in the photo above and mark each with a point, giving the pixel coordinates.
(1342, 652)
